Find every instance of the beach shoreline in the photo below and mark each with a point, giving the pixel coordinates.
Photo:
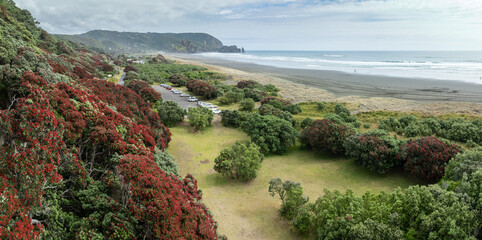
(361, 92)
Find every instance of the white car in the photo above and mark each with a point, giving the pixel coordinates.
(184, 95)
(192, 99)
(201, 103)
(216, 111)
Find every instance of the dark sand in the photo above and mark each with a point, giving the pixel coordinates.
(344, 84)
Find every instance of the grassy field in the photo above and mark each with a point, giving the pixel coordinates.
(246, 210)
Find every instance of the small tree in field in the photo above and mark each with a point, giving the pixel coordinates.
(200, 117)
(240, 161)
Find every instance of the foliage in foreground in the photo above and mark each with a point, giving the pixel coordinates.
(418, 212)
(240, 161)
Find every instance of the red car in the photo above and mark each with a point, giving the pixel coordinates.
(169, 88)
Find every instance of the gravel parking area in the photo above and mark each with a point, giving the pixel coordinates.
(169, 96)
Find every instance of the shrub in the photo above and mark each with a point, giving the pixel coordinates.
(137, 85)
(200, 117)
(412, 130)
(256, 94)
(246, 84)
(233, 95)
(239, 162)
(270, 133)
(320, 106)
(464, 163)
(366, 125)
(166, 162)
(342, 111)
(247, 104)
(374, 150)
(129, 68)
(326, 135)
(306, 122)
(170, 113)
(267, 109)
(202, 88)
(427, 157)
(178, 80)
(291, 195)
(230, 118)
(282, 104)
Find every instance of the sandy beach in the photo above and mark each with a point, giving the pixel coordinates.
(361, 92)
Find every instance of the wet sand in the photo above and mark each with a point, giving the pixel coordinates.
(364, 92)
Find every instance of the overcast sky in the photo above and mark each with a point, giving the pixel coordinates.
(280, 24)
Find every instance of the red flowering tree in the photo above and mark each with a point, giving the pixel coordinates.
(246, 84)
(202, 88)
(129, 68)
(156, 197)
(427, 157)
(326, 135)
(374, 150)
(145, 90)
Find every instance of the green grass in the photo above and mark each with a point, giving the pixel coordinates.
(245, 210)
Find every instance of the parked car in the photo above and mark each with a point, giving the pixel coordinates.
(216, 111)
(163, 85)
(201, 103)
(169, 88)
(192, 99)
(184, 95)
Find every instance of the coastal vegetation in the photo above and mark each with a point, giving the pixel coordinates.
(84, 158)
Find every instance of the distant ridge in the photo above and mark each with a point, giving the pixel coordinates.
(134, 42)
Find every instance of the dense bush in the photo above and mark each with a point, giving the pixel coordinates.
(291, 195)
(246, 104)
(466, 163)
(202, 88)
(282, 104)
(170, 113)
(178, 80)
(270, 133)
(320, 106)
(247, 84)
(267, 109)
(200, 117)
(418, 212)
(234, 118)
(427, 157)
(144, 90)
(375, 150)
(456, 129)
(240, 161)
(166, 162)
(254, 93)
(326, 135)
(129, 68)
(232, 96)
(306, 122)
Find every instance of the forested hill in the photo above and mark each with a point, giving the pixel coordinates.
(133, 42)
(80, 157)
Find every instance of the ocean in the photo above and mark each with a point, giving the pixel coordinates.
(442, 65)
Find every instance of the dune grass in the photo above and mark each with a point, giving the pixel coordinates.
(245, 210)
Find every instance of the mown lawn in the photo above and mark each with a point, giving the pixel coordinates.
(246, 210)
